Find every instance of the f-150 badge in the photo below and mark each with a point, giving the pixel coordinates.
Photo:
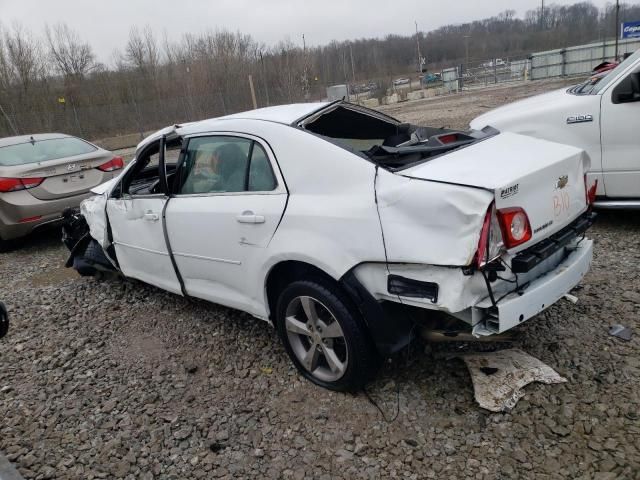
(580, 118)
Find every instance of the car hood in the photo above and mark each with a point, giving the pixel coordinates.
(503, 116)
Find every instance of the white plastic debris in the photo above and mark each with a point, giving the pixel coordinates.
(620, 331)
(498, 377)
(572, 298)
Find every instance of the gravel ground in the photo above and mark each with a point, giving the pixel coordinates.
(116, 379)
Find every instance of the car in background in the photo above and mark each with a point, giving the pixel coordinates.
(342, 225)
(600, 116)
(43, 174)
(401, 81)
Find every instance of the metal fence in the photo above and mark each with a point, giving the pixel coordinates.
(578, 60)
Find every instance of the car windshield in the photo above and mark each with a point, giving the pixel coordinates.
(43, 151)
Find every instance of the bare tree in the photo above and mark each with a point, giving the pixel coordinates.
(71, 56)
(23, 57)
(142, 52)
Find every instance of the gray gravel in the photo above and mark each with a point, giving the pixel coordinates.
(115, 379)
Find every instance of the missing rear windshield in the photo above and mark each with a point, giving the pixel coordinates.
(384, 140)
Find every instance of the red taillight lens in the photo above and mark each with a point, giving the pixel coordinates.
(15, 184)
(515, 226)
(590, 192)
(449, 138)
(116, 163)
(490, 245)
(483, 244)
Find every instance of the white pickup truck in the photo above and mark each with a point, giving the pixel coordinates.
(601, 118)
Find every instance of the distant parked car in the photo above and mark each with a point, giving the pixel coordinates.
(401, 81)
(41, 175)
(431, 78)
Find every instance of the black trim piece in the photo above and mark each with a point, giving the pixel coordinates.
(408, 287)
(248, 169)
(389, 333)
(162, 170)
(169, 250)
(528, 259)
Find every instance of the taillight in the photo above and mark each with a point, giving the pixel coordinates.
(15, 184)
(590, 192)
(116, 163)
(515, 226)
(490, 244)
(448, 138)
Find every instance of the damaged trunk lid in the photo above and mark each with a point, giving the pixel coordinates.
(545, 179)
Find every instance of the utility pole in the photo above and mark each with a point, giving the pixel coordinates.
(542, 16)
(353, 68)
(418, 45)
(617, 28)
(264, 79)
(466, 41)
(305, 78)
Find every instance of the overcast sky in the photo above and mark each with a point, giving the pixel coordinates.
(106, 23)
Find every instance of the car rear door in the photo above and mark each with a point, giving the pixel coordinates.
(229, 199)
(135, 214)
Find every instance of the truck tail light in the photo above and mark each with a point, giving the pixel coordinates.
(491, 243)
(15, 184)
(590, 191)
(116, 163)
(515, 226)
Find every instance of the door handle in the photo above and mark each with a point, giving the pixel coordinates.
(151, 217)
(250, 217)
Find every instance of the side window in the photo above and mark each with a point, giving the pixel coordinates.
(215, 164)
(261, 178)
(222, 164)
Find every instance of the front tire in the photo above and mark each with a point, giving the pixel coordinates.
(324, 337)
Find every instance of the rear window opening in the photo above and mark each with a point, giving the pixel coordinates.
(384, 140)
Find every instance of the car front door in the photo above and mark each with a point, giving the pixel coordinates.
(620, 140)
(135, 212)
(229, 198)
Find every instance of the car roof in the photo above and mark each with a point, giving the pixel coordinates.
(286, 114)
(37, 137)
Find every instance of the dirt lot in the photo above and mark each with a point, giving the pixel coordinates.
(115, 379)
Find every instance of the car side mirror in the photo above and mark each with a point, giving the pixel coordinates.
(628, 90)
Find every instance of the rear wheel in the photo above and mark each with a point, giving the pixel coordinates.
(324, 337)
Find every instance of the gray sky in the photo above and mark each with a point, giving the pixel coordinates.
(106, 23)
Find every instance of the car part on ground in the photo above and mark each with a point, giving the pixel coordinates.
(42, 175)
(298, 208)
(498, 377)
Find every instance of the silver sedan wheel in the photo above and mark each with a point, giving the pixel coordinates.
(316, 338)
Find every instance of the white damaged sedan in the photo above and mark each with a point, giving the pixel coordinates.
(343, 226)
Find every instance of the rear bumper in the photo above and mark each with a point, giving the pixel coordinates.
(539, 294)
(17, 206)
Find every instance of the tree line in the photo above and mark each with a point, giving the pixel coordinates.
(54, 82)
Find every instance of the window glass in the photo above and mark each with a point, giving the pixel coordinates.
(261, 178)
(215, 164)
(43, 150)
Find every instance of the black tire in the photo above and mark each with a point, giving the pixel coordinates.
(362, 361)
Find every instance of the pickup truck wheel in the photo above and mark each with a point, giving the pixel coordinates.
(322, 336)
